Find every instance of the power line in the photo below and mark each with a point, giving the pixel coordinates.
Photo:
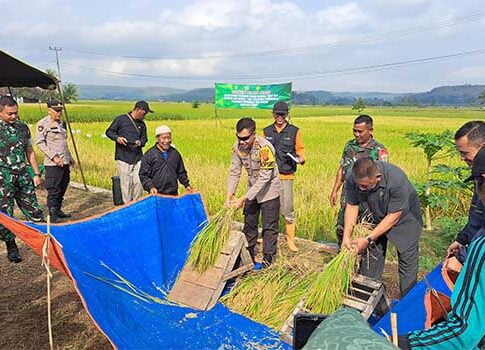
(363, 40)
(297, 75)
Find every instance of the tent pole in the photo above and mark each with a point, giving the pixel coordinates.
(10, 91)
(59, 88)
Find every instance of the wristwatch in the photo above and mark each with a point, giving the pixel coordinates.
(371, 242)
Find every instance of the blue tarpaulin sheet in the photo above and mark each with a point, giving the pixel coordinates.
(147, 244)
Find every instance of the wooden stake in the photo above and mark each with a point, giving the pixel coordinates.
(394, 328)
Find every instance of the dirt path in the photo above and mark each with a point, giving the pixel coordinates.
(23, 306)
(23, 301)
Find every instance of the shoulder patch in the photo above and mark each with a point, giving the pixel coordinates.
(267, 158)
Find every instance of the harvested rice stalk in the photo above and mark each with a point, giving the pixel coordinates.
(209, 242)
(269, 296)
(327, 292)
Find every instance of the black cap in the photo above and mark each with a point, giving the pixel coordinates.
(54, 103)
(478, 167)
(143, 105)
(280, 107)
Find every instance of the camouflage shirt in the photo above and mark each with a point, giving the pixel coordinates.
(14, 140)
(353, 151)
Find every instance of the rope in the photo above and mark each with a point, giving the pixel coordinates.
(45, 263)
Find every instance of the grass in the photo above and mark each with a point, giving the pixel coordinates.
(206, 148)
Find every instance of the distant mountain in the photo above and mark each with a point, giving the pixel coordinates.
(460, 95)
(106, 92)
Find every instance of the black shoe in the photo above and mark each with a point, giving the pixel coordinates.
(13, 252)
(63, 215)
(54, 213)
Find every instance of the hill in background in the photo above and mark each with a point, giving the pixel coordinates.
(459, 95)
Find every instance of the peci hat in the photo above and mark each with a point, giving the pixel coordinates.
(280, 107)
(143, 105)
(478, 167)
(162, 129)
(54, 103)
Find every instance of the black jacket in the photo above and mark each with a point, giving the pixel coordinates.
(283, 142)
(163, 174)
(123, 126)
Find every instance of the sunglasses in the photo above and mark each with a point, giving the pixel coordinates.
(243, 138)
(281, 114)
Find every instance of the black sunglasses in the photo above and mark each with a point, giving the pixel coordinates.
(243, 138)
(281, 114)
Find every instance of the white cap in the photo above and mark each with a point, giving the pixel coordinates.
(162, 129)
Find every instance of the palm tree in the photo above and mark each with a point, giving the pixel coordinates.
(70, 93)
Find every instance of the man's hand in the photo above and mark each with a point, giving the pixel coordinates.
(452, 264)
(346, 243)
(453, 248)
(190, 189)
(239, 202)
(58, 161)
(37, 180)
(72, 162)
(153, 190)
(360, 244)
(333, 198)
(301, 159)
(122, 140)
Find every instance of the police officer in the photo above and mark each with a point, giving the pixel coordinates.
(16, 185)
(130, 134)
(394, 205)
(362, 146)
(52, 141)
(286, 139)
(257, 155)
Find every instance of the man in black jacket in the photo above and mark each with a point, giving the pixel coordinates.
(130, 134)
(162, 166)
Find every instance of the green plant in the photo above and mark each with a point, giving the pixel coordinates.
(435, 146)
(359, 105)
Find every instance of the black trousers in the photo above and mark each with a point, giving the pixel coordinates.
(372, 264)
(56, 182)
(270, 211)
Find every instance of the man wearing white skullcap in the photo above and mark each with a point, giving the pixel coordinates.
(162, 166)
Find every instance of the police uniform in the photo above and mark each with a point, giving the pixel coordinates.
(263, 193)
(52, 141)
(16, 184)
(353, 151)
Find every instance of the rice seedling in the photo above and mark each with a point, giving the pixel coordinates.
(209, 242)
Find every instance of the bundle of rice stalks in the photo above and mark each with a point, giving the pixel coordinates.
(269, 296)
(209, 242)
(327, 292)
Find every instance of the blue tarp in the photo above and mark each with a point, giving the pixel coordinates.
(147, 244)
(410, 310)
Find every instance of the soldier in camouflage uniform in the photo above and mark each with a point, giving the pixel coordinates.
(16, 184)
(362, 146)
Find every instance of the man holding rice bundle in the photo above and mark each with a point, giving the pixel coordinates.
(257, 155)
(393, 202)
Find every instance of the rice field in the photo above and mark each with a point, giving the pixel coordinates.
(205, 146)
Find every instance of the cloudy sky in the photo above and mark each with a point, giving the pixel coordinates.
(336, 45)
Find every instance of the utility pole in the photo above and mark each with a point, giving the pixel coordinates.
(59, 88)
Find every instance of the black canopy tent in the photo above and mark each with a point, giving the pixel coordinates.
(15, 73)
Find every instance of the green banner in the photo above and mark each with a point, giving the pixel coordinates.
(251, 96)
